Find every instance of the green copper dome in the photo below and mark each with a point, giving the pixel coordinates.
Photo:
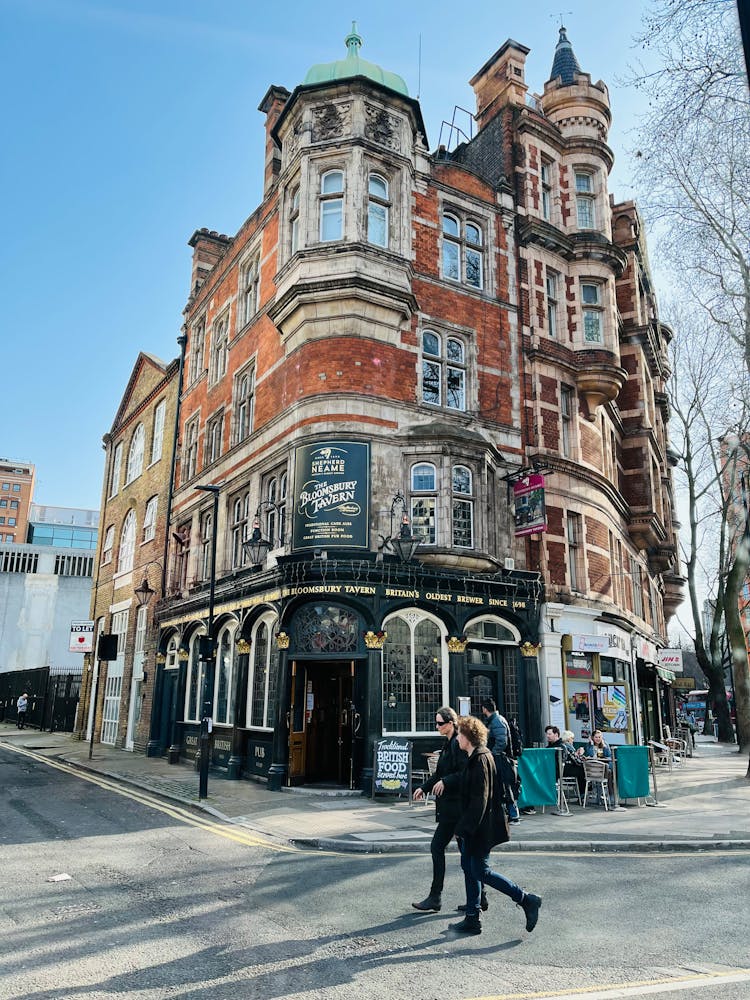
(345, 69)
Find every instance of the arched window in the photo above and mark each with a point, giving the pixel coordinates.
(226, 659)
(462, 251)
(240, 512)
(377, 210)
(415, 672)
(135, 455)
(149, 519)
(170, 660)
(249, 285)
(108, 545)
(462, 507)
(219, 348)
(493, 661)
(244, 398)
(127, 543)
(443, 371)
(261, 688)
(195, 675)
(332, 206)
(424, 501)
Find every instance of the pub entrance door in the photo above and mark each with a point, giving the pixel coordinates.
(321, 723)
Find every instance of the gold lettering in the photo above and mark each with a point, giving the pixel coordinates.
(465, 599)
(436, 596)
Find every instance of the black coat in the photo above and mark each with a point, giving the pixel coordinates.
(450, 766)
(483, 822)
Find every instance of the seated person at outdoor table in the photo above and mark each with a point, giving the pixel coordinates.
(598, 747)
(553, 737)
(572, 763)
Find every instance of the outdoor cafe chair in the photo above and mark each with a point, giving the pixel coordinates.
(596, 778)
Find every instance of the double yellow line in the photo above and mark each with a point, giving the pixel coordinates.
(221, 829)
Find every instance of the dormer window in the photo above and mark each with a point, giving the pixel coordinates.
(377, 210)
(462, 251)
(332, 206)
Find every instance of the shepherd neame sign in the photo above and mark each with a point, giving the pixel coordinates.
(332, 495)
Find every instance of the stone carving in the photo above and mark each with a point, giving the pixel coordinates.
(382, 127)
(330, 121)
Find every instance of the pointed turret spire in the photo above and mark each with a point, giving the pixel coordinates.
(565, 64)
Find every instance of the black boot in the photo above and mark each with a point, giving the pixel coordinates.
(469, 925)
(531, 905)
(431, 903)
(482, 902)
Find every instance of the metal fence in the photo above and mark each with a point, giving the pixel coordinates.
(53, 694)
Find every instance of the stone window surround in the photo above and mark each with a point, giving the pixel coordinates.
(444, 495)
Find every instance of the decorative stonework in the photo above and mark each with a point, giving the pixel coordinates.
(161, 658)
(330, 121)
(529, 649)
(382, 127)
(183, 655)
(375, 640)
(282, 640)
(457, 644)
(243, 646)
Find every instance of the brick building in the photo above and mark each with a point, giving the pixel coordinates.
(390, 342)
(132, 539)
(16, 494)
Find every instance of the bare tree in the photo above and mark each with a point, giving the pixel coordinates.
(705, 392)
(692, 171)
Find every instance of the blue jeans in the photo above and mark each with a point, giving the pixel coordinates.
(512, 810)
(477, 872)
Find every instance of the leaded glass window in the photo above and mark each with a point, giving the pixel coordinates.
(415, 679)
(326, 629)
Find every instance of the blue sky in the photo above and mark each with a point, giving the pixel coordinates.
(129, 124)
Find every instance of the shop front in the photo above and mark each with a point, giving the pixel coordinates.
(310, 674)
(596, 688)
(655, 691)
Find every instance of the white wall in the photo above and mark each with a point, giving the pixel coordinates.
(36, 610)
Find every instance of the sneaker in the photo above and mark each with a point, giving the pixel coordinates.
(528, 811)
(431, 904)
(531, 905)
(515, 821)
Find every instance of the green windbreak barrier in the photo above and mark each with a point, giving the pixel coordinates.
(537, 770)
(632, 772)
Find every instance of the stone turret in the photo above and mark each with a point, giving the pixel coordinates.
(577, 106)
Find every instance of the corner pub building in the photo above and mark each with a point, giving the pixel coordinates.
(353, 379)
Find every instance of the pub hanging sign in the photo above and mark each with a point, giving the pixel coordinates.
(332, 495)
(528, 498)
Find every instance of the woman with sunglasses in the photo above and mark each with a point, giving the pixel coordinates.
(445, 784)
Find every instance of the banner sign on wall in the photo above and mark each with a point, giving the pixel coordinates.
(332, 496)
(671, 659)
(528, 498)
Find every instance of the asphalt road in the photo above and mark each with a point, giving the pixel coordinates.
(164, 902)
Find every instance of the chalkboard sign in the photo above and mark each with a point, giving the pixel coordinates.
(391, 767)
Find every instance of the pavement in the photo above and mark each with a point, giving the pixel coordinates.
(701, 805)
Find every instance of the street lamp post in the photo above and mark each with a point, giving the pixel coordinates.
(208, 655)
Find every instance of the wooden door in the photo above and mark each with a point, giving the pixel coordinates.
(297, 724)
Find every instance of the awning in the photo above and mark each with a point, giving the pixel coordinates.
(666, 675)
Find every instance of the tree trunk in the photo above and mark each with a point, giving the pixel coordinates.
(736, 638)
